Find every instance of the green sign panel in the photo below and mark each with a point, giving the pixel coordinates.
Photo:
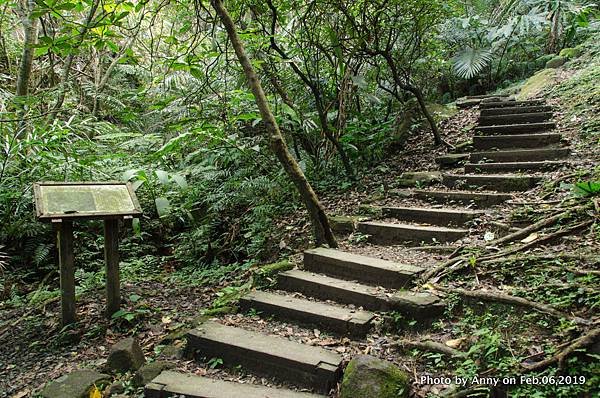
(60, 200)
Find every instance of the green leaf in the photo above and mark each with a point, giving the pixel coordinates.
(179, 180)
(136, 225)
(39, 51)
(129, 174)
(163, 206)
(586, 188)
(162, 176)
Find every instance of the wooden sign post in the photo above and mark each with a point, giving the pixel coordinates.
(64, 202)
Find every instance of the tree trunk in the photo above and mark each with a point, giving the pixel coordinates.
(320, 222)
(69, 61)
(554, 32)
(416, 92)
(434, 129)
(30, 28)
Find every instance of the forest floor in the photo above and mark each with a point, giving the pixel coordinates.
(159, 308)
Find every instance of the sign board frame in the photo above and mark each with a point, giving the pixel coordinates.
(37, 192)
(64, 239)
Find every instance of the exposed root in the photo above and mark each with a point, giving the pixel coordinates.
(584, 341)
(429, 345)
(512, 300)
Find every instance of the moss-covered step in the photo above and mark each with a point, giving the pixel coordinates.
(474, 100)
(519, 128)
(328, 317)
(512, 166)
(416, 305)
(389, 233)
(477, 199)
(295, 363)
(513, 110)
(505, 104)
(538, 117)
(368, 270)
(520, 155)
(177, 384)
(426, 215)
(496, 182)
(483, 142)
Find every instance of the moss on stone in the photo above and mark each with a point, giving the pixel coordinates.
(556, 62)
(367, 376)
(419, 178)
(343, 224)
(369, 210)
(570, 53)
(275, 268)
(537, 83)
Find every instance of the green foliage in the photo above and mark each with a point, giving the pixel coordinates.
(471, 61)
(586, 188)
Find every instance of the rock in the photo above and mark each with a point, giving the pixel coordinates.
(343, 224)
(570, 53)
(125, 355)
(172, 351)
(452, 159)
(76, 384)
(419, 178)
(149, 371)
(369, 210)
(367, 376)
(114, 389)
(556, 62)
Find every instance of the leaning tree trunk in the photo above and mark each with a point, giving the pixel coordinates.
(434, 129)
(320, 222)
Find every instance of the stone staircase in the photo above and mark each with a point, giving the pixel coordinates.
(339, 291)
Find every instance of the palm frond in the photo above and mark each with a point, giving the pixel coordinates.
(471, 61)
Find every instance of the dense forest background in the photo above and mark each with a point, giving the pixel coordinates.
(151, 92)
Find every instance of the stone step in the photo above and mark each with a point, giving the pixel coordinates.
(329, 317)
(427, 215)
(512, 110)
(512, 129)
(498, 182)
(485, 96)
(514, 118)
(363, 269)
(452, 159)
(478, 199)
(417, 305)
(511, 166)
(269, 356)
(388, 233)
(516, 141)
(521, 155)
(176, 384)
(506, 104)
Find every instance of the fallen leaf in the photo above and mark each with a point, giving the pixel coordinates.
(455, 343)
(166, 319)
(95, 393)
(530, 238)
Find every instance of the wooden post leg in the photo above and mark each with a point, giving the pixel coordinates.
(67, 271)
(111, 258)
